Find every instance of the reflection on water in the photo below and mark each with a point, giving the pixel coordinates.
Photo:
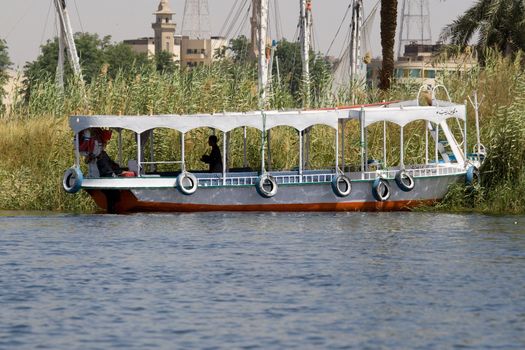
(232, 280)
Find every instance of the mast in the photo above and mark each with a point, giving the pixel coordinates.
(306, 24)
(66, 40)
(263, 63)
(355, 40)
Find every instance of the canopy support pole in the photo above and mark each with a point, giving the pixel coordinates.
(384, 144)
(77, 151)
(300, 156)
(343, 162)
(337, 150)
(151, 152)
(263, 170)
(120, 146)
(402, 150)
(268, 140)
(183, 152)
(465, 148)
(224, 144)
(362, 139)
(437, 144)
(245, 159)
(426, 141)
(139, 155)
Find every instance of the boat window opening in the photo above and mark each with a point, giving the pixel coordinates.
(237, 161)
(391, 137)
(412, 138)
(351, 146)
(322, 153)
(285, 141)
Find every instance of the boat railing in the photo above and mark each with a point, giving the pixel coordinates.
(325, 177)
(320, 176)
(252, 179)
(416, 171)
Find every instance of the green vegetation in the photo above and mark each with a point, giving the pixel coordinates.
(36, 142)
(5, 63)
(94, 53)
(502, 189)
(500, 25)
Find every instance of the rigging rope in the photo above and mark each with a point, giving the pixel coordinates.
(24, 14)
(339, 29)
(78, 15)
(233, 23)
(242, 24)
(47, 21)
(221, 32)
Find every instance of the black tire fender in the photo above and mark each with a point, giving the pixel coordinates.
(405, 181)
(72, 180)
(342, 186)
(381, 189)
(266, 180)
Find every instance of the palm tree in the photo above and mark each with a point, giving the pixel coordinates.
(388, 37)
(500, 24)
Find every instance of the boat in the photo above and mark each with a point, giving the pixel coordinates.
(370, 187)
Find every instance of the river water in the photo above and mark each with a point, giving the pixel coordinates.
(269, 281)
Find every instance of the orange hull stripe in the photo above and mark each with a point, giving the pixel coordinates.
(129, 203)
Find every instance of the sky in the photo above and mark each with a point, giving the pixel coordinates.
(27, 24)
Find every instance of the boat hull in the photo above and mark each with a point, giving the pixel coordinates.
(290, 197)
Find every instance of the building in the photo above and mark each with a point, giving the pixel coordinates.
(142, 45)
(422, 63)
(186, 50)
(195, 52)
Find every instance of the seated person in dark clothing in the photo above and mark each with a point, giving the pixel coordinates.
(214, 159)
(107, 167)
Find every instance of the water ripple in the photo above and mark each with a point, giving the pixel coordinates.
(270, 281)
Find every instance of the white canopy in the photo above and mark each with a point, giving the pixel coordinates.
(299, 120)
(402, 115)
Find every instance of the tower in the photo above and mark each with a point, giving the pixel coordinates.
(196, 21)
(164, 28)
(415, 24)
